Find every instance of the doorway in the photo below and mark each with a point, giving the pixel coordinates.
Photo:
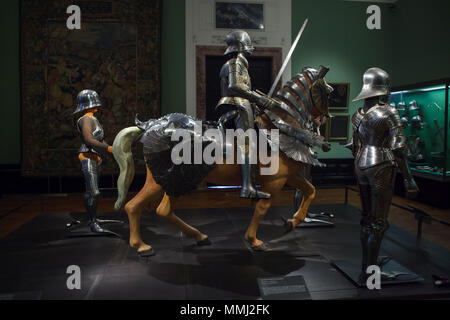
(260, 74)
(264, 65)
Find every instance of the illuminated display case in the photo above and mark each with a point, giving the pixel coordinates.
(423, 108)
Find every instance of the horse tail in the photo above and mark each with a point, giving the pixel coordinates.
(124, 158)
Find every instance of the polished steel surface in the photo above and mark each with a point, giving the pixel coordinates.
(97, 133)
(375, 83)
(238, 41)
(87, 99)
(377, 132)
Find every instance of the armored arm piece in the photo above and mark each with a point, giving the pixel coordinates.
(350, 145)
(87, 126)
(398, 147)
(238, 80)
(353, 144)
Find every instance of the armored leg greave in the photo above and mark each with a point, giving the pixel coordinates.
(90, 172)
(376, 186)
(245, 121)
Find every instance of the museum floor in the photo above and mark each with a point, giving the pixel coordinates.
(16, 210)
(37, 250)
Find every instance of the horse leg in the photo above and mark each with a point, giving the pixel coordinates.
(165, 211)
(261, 207)
(150, 192)
(309, 193)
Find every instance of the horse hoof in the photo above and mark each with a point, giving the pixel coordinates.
(204, 242)
(146, 253)
(288, 225)
(260, 247)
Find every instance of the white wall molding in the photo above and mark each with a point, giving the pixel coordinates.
(200, 30)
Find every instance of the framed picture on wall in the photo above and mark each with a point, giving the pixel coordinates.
(337, 127)
(338, 100)
(234, 15)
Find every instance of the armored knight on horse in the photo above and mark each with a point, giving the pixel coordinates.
(291, 112)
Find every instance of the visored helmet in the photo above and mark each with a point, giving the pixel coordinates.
(375, 83)
(87, 99)
(238, 41)
(413, 106)
(413, 109)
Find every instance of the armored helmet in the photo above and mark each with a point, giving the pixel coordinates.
(87, 99)
(238, 41)
(404, 121)
(412, 106)
(375, 83)
(417, 122)
(413, 109)
(401, 106)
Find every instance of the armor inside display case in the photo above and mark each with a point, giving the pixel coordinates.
(423, 109)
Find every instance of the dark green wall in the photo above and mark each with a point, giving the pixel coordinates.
(421, 44)
(9, 83)
(173, 57)
(337, 36)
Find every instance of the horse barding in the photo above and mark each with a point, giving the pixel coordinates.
(302, 106)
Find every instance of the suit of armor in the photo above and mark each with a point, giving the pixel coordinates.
(379, 147)
(93, 145)
(236, 92)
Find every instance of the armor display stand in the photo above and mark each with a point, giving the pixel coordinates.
(321, 219)
(378, 145)
(312, 219)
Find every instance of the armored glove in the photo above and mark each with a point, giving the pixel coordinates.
(326, 147)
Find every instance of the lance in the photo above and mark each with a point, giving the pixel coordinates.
(288, 57)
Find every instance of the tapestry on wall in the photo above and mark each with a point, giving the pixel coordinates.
(116, 53)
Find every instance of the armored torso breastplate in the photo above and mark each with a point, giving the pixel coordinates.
(239, 67)
(372, 130)
(97, 133)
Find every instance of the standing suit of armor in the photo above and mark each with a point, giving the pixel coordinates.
(236, 91)
(379, 147)
(93, 144)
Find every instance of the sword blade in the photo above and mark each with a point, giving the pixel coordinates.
(288, 57)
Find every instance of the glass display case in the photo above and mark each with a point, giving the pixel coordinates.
(423, 109)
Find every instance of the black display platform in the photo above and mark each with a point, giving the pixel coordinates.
(352, 269)
(36, 256)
